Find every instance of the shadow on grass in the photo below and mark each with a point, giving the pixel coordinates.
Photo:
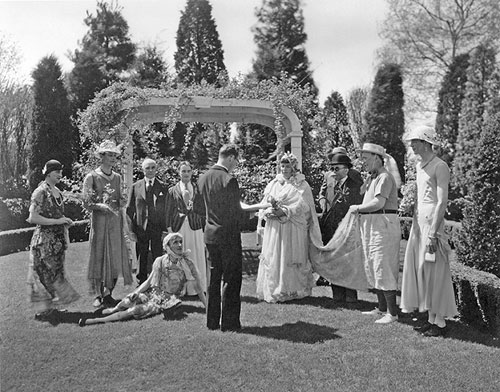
(319, 302)
(455, 330)
(71, 317)
(179, 313)
(182, 312)
(299, 332)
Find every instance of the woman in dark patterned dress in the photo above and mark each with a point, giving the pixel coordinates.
(48, 287)
(161, 290)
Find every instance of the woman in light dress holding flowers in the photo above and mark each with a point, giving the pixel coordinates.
(285, 272)
(108, 249)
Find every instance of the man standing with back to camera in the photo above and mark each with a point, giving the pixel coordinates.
(219, 201)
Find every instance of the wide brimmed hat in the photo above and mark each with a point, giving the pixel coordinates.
(374, 149)
(341, 159)
(108, 146)
(423, 132)
(50, 166)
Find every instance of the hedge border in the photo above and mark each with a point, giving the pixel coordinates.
(478, 297)
(12, 241)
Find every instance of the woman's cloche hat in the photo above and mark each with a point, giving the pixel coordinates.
(423, 132)
(51, 165)
(374, 149)
(108, 146)
(341, 159)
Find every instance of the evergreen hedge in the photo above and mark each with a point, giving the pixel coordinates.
(12, 241)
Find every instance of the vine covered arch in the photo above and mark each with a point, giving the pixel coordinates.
(209, 110)
(120, 109)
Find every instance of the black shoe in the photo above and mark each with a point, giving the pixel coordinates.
(236, 328)
(45, 315)
(322, 282)
(423, 328)
(435, 331)
(109, 302)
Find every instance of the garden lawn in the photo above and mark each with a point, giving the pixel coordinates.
(306, 345)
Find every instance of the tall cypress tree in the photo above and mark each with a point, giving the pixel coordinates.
(357, 101)
(280, 38)
(199, 58)
(477, 94)
(105, 52)
(479, 242)
(199, 54)
(384, 115)
(51, 125)
(149, 69)
(451, 95)
(336, 121)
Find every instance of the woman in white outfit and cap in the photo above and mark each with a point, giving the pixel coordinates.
(427, 282)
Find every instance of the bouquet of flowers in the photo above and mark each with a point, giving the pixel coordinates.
(275, 204)
(105, 202)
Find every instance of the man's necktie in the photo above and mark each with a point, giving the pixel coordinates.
(186, 195)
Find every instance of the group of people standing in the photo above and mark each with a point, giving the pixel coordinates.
(295, 244)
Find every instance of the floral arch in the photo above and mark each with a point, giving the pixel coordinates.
(119, 109)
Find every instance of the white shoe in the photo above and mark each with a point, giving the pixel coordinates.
(374, 312)
(387, 319)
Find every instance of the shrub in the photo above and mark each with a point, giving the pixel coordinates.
(253, 180)
(14, 213)
(12, 241)
(478, 297)
(479, 239)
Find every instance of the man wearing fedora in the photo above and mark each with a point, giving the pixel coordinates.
(340, 190)
(147, 211)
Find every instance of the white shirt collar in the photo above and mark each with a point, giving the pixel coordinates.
(187, 186)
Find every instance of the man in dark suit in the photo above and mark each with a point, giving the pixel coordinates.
(146, 209)
(219, 202)
(340, 190)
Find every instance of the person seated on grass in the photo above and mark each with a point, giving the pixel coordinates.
(160, 292)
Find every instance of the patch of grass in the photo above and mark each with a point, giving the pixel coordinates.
(304, 345)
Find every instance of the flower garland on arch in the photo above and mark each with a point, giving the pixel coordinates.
(109, 112)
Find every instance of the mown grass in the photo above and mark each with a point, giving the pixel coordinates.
(306, 345)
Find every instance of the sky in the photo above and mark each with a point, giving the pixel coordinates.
(341, 45)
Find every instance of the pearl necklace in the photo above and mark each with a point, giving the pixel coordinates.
(58, 199)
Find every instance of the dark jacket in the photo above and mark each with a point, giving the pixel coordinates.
(137, 207)
(177, 211)
(219, 202)
(349, 195)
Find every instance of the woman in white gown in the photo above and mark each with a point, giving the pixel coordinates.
(285, 272)
(181, 218)
(427, 282)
